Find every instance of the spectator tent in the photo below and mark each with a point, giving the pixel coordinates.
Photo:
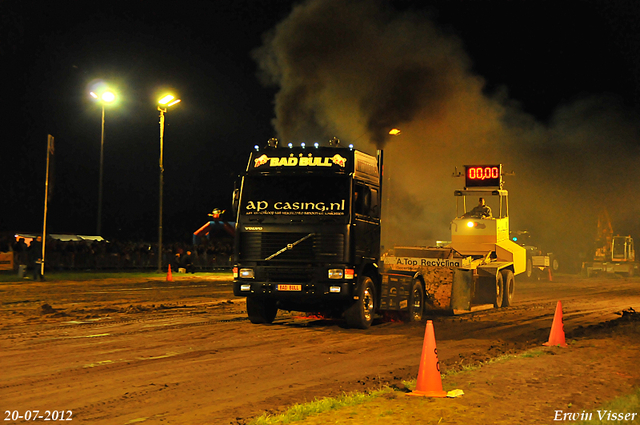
(28, 237)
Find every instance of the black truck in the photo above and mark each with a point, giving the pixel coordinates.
(308, 232)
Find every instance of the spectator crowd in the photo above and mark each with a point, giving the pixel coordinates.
(117, 255)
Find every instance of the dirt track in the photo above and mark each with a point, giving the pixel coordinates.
(119, 352)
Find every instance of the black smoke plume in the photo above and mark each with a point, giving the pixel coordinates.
(356, 69)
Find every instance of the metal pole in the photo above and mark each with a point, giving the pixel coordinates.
(99, 225)
(46, 203)
(162, 111)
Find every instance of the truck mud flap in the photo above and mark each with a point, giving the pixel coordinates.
(462, 293)
(461, 290)
(394, 295)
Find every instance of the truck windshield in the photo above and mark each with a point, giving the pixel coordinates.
(300, 196)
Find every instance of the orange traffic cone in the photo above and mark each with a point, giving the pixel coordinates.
(550, 276)
(169, 276)
(557, 329)
(429, 380)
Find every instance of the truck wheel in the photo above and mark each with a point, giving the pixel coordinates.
(499, 291)
(261, 310)
(584, 271)
(416, 302)
(509, 284)
(360, 314)
(529, 270)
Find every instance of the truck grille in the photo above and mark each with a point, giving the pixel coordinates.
(288, 274)
(319, 247)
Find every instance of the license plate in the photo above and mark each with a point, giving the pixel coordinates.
(289, 287)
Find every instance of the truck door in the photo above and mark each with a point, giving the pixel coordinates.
(366, 206)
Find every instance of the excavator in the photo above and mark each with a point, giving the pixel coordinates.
(613, 254)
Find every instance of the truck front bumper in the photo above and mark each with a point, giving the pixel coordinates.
(299, 291)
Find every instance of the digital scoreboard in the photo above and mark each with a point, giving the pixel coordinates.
(483, 175)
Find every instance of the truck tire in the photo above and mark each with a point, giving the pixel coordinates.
(584, 272)
(499, 291)
(261, 310)
(416, 302)
(529, 270)
(509, 285)
(360, 314)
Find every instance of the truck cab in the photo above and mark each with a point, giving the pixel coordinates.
(308, 232)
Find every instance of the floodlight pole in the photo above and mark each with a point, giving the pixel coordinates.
(50, 148)
(99, 224)
(162, 112)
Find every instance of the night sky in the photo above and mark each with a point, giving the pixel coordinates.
(250, 70)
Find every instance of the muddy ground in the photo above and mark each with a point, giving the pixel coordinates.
(123, 351)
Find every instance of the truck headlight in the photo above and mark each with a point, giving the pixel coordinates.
(476, 225)
(336, 273)
(247, 274)
(245, 287)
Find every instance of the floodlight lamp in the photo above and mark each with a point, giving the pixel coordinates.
(290, 145)
(316, 144)
(256, 147)
(108, 96)
(168, 98)
(303, 145)
(93, 95)
(394, 132)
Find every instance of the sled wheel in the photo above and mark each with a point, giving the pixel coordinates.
(509, 285)
(499, 291)
(416, 302)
